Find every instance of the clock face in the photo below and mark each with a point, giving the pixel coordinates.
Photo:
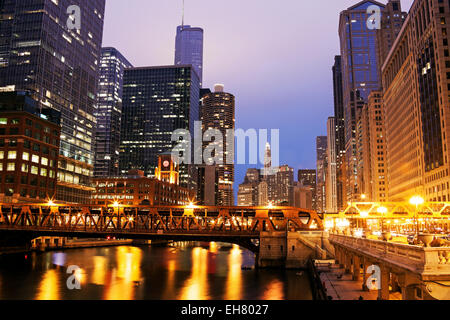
(166, 164)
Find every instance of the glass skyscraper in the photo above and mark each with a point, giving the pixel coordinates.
(360, 75)
(109, 112)
(156, 102)
(59, 66)
(189, 48)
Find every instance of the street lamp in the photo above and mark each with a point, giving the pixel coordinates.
(416, 201)
(270, 206)
(382, 211)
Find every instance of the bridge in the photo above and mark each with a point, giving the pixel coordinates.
(259, 229)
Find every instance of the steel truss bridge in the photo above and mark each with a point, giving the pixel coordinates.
(240, 225)
(395, 210)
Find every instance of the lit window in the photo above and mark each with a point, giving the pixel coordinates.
(11, 166)
(43, 172)
(44, 161)
(24, 168)
(35, 158)
(3, 121)
(26, 156)
(34, 170)
(2, 154)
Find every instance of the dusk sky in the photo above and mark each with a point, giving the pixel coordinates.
(274, 56)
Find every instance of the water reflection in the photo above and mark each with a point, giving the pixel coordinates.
(274, 291)
(234, 277)
(122, 281)
(196, 287)
(194, 271)
(99, 274)
(49, 287)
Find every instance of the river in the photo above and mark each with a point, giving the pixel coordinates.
(182, 271)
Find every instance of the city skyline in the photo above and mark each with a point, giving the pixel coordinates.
(305, 99)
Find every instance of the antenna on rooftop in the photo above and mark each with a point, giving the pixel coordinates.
(182, 20)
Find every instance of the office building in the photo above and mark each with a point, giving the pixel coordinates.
(29, 148)
(59, 67)
(207, 185)
(156, 102)
(360, 52)
(189, 48)
(308, 178)
(108, 112)
(416, 85)
(331, 177)
(321, 148)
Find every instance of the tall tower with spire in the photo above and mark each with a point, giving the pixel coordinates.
(189, 47)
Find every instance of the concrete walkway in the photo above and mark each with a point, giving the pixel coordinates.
(345, 288)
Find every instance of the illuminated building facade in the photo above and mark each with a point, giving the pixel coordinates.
(168, 169)
(218, 112)
(156, 102)
(361, 48)
(331, 182)
(416, 81)
(136, 189)
(108, 112)
(308, 178)
(58, 66)
(29, 147)
(321, 148)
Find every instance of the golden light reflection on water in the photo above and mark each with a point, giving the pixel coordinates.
(49, 287)
(99, 274)
(234, 277)
(196, 287)
(213, 247)
(128, 272)
(274, 291)
(169, 291)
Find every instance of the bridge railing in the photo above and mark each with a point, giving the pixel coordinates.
(414, 258)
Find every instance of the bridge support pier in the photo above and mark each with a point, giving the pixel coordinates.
(383, 293)
(356, 268)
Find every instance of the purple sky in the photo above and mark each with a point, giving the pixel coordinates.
(274, 56)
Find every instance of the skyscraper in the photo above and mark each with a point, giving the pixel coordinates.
(59, 66)
(331, 182)
(361, 72)
(416, 78)
(218, 112)
(109, 112)
(156, 102)
(321, 147)
(340, 132)
(189, 48)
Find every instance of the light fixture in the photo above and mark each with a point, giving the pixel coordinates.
(417, 201)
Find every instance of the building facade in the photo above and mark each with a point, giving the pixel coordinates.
(29, 148)
(308, 178)
(108, 112)
(157, 101)
(135, 189)
(362, 50)
(331, 177)
(59, 67)
(321, 148)
(189, 48)
(416, 82)
(340, 132)
(218, 112)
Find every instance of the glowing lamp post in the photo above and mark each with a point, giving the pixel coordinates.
(382, 211)
(416, 201)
